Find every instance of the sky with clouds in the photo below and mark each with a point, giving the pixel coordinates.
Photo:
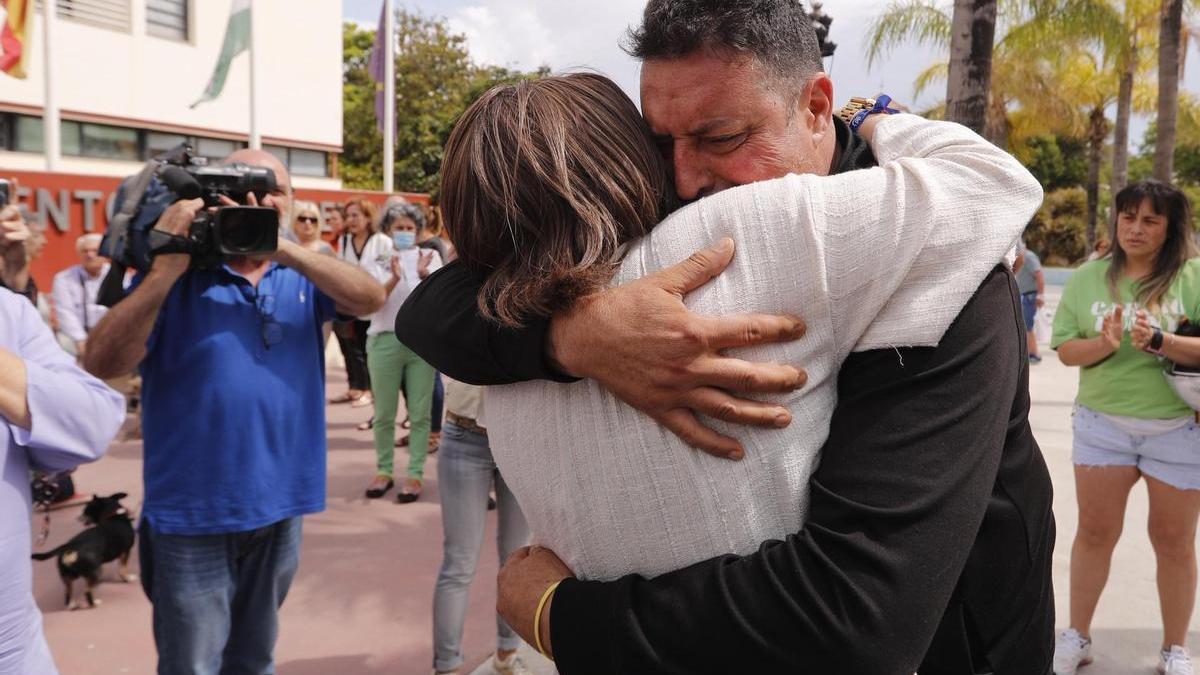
(567, 34)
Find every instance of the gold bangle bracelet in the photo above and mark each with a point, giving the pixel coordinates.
(537, 618)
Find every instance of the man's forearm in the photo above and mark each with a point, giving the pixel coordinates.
(118, 343)
(14, 387)
(353, 291)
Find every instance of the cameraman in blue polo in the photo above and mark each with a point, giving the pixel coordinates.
(232, 364)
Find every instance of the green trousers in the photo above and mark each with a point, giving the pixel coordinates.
(394, 366)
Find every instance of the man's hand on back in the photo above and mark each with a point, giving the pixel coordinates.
(641, 343)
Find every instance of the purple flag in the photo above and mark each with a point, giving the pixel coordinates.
(377, 64)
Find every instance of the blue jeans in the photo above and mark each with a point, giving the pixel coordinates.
(465, 474)
(439, 402)
(216, 597)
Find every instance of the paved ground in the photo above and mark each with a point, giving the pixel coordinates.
(361, 602)
(360, 605)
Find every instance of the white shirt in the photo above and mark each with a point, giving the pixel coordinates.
(74, 294)
(384, 321)
(375, 259)
(74, 418)
(876, 258)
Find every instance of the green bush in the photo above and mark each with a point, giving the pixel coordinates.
(1056, 162)
(1058, 231)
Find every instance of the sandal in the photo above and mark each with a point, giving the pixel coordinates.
(367, 426)
(435, 442)
(379, 487)
(411, 491)
(362, 401)
(345, 398)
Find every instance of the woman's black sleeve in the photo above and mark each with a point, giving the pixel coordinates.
(441, 323)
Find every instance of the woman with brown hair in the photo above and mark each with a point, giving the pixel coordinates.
(1117, 321)
(554, 188)
(363, 245)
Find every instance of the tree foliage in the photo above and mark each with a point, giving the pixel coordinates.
(1056, 161)
(436, 81)
(1058, 230)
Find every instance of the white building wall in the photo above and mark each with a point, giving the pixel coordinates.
(142, 77)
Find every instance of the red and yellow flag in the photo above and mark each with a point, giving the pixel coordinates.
(16, 23)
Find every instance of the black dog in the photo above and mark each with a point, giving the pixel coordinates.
(110, 537)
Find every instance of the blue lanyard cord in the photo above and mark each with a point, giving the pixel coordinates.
(881, 107)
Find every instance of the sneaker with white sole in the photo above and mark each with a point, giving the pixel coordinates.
(1175, 661)
(1071, 651)
(513, 665)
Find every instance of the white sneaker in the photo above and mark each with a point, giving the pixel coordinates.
(1175, 661)
(1071, 651)
(513, 665)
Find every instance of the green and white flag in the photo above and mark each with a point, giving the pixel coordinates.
(237, 40)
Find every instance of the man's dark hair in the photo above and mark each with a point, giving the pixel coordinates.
(777, 33)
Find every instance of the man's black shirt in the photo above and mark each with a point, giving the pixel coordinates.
(929, 538)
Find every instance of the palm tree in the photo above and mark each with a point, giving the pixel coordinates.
(1169, 61)
(1086, 80)
(1119, 29)
(1123, 31)
(1017, 69)
(968, 81)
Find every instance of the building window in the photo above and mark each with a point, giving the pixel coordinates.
(110, 14)
(105, 142)
(167, 19)
(158, 142)
(27, 134)
(68, 138)
(215, 148)
(307, 162)
(23, 133)
(301, 162)
(280, 152)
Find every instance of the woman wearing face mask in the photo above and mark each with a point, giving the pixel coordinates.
(395, 367)
(1117, 322)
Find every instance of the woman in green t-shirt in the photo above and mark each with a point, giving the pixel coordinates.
(1116, 321)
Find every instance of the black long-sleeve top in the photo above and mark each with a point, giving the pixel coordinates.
(929, 538)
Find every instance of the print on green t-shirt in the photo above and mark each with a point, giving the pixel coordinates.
(1130, 382)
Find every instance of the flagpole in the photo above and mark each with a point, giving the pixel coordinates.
(389, 98)
(255, 137)
(51, 134)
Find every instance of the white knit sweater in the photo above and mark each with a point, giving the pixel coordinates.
(875, 258)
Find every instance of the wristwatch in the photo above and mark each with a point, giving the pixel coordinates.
(858, 109)
(1156, 342)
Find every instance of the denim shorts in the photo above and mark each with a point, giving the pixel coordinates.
(1029, 309)
(1173, 457)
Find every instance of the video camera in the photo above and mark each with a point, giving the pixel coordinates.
(132, 240)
